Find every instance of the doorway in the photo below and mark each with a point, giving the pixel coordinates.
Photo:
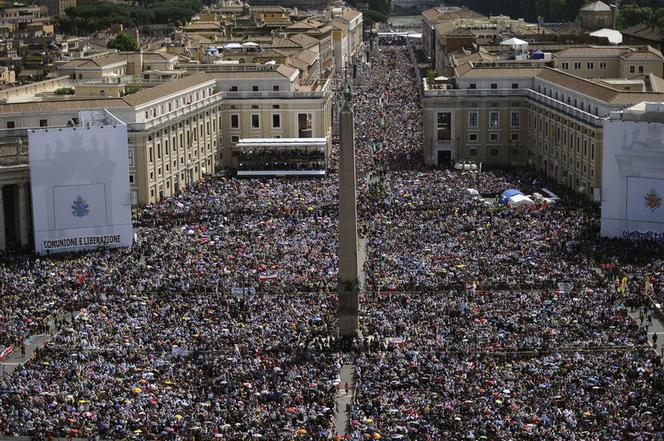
(444, 159)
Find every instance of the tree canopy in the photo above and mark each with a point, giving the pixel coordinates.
(634, 13)
(123, 42)
(85, 19)
(549, 10)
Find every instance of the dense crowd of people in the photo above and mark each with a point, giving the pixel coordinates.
(467, 332)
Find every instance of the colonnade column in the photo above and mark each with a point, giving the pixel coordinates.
(23, 218)
(3, 241)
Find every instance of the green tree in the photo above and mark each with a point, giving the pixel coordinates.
(371, 17)
(632, 14)
(123, 42)
(84, 19)
(132, 88)
(384, 6)
(64, 91)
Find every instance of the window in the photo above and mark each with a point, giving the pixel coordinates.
(276, 106)
(235, 139)
(472, 86)
(150, 154)
(473, 118)
(515, 85)
(493, 152)
(640, 69)
(494, 137)
(255, 121)
(11, 124)
(515, 119)
(444, 126)
(632, 69)
(514, 137)
(275, 88)
(565, 66)
(472, 152)
(235, 121)
(158, 151)
(590, 65)
(254, 88)
(473, 137)
(577, 66)
(233, 88)
(131, 157)
(602, 65)
(494, 85)
(494, 120)
(276, 121)
(43, 123)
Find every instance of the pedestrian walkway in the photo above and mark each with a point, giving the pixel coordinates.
(655, 328)
(344, 399)
(32, 343)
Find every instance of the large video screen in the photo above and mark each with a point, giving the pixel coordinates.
(80, 188)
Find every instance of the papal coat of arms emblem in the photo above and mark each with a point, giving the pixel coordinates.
(653, 200)
(80, 207)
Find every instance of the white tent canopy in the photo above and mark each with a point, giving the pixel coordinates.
(520, 200)
(519, 46)
(514, 42)
(614, 36)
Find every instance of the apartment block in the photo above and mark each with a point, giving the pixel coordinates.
(610, 61)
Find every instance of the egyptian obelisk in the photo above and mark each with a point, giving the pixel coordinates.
(348, 282)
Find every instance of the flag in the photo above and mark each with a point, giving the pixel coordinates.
(623, 285)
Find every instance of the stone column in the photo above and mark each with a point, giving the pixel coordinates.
(348, 281)
(3, 239)
(23, 217)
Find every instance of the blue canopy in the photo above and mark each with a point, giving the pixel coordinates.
(507, 194)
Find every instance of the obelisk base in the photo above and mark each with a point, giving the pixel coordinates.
(349, 324)
(349, 313)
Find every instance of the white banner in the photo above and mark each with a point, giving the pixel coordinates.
(645, 199)
(79, 206)
(80, 187)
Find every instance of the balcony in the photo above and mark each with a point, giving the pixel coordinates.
(532, 95)
(182, 112)
(13, 148)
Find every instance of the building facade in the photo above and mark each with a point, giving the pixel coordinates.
(15, 213)
(346, 35)
(596, 15)
(525, 113)
(181, 130)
